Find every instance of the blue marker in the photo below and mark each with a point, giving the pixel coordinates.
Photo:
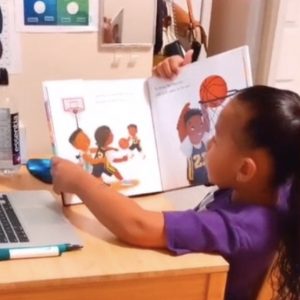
(40, 168)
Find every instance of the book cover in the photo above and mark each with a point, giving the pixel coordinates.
(144, 135)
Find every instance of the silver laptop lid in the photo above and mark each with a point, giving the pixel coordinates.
(42, 219)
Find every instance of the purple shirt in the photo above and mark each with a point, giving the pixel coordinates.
(245, 235)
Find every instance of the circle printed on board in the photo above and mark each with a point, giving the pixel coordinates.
(72, 8)
(39, 7)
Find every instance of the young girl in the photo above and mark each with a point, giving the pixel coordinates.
(254, 159)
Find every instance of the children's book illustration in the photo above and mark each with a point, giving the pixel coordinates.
(93, 158)
(104, 138)
(194, 123)
(74, 106)
(134, 142)
(80, 141)
(204, 87)
(143, 136)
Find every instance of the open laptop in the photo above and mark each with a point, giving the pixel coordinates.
(34, 218)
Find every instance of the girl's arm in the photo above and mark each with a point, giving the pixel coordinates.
(121, 215)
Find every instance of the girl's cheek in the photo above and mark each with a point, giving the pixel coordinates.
(210, 155)
(207, 156)
(208, 168)
(210, 147)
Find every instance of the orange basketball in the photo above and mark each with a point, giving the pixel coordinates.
(123, 143)
(213, 90)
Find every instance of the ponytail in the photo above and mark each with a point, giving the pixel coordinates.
(289, 253)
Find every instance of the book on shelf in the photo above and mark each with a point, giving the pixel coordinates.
(142, 136)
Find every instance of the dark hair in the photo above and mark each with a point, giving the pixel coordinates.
(190, 113)
(74, 135)
(275, 126)
(161, 12)
(101, 135)
(132, 125)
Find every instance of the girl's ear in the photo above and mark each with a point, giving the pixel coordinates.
(247, 170)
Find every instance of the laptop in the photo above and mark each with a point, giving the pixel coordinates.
(33, 219)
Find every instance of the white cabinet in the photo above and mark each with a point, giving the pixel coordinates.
(280, 58)
(271, 29)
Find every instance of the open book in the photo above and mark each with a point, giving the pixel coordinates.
(144, 135)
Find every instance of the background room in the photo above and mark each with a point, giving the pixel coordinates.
(270, 28)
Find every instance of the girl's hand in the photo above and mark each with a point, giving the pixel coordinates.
(170, 66)
(66, 175)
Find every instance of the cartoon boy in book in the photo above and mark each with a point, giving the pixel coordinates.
(192, 125)
(133, 139)
(81, 141)
(104, 137)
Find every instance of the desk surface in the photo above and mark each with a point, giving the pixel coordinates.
(107, 268)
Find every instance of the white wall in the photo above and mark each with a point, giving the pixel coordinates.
(235, 23)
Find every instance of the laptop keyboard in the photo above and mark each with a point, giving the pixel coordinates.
(11, 230)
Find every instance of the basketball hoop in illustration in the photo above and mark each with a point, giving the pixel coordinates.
(213, 92)
(74, 105)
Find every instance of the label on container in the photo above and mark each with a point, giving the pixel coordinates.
(34, 252)
(15, 139)
(5, 138)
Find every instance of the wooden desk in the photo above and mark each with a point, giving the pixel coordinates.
(107, 269)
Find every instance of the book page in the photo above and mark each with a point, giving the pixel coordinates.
(185, 111)
(106, 126)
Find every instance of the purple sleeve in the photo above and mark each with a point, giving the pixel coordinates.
(206, 231)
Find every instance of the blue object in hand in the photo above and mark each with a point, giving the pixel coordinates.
(40, 168)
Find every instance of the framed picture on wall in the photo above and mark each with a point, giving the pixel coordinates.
(127, 22)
